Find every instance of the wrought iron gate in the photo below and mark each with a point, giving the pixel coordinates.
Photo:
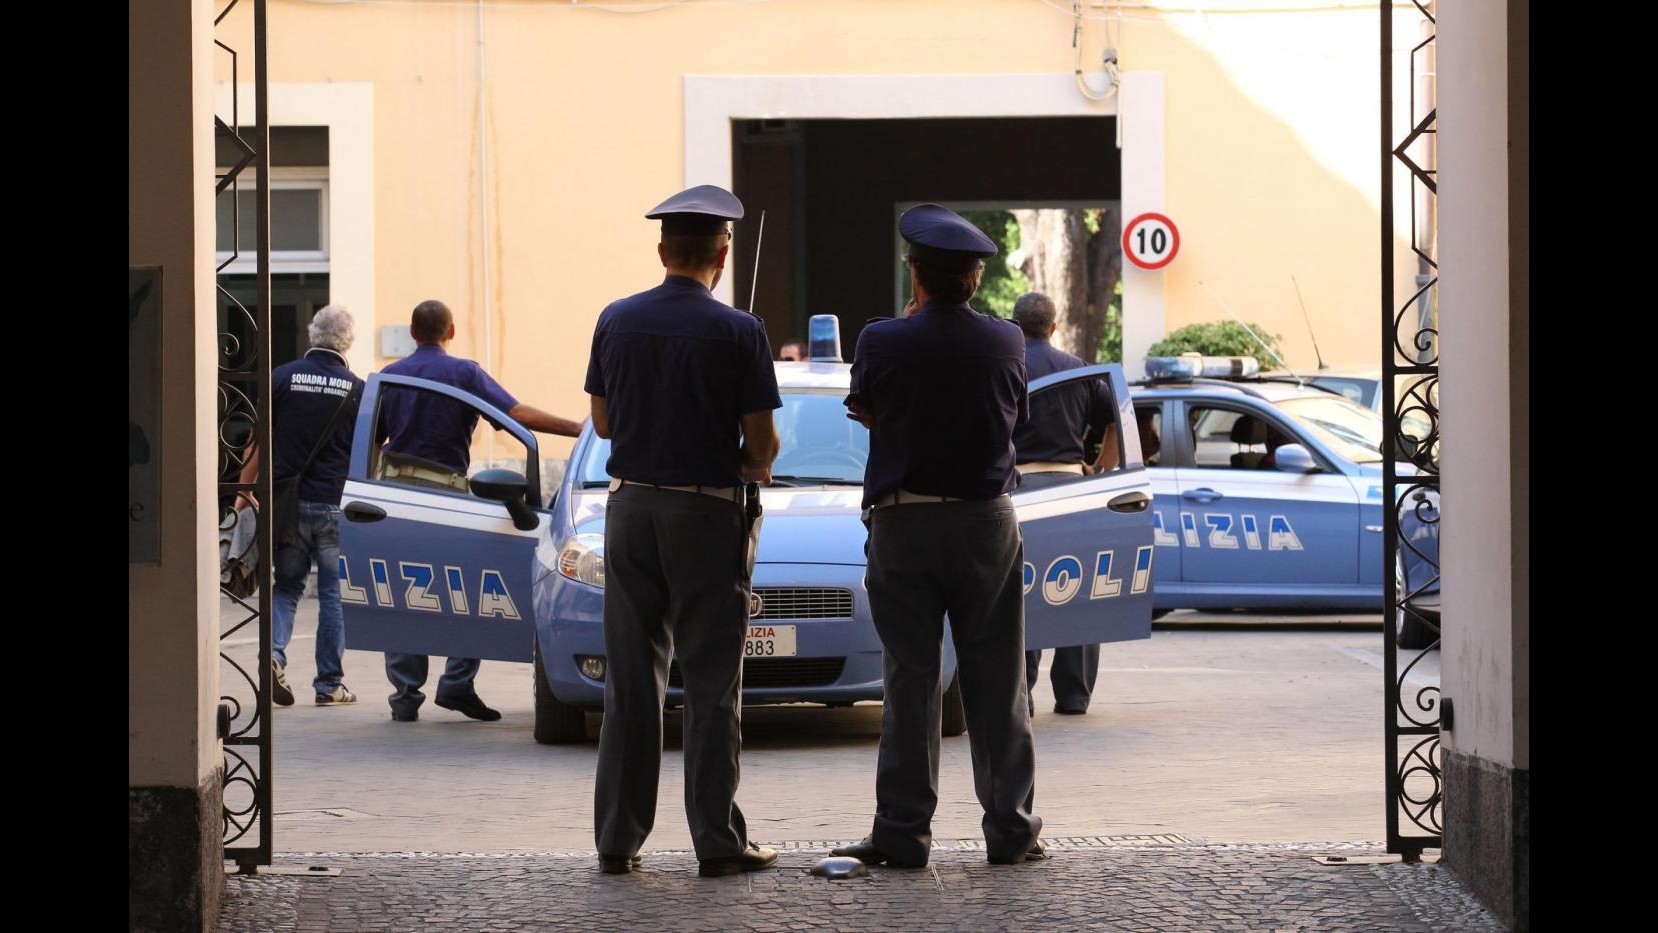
(244, 377)
(1410, 387)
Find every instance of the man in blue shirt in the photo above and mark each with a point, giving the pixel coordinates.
(942, 390)
(1051, 448)
(683, 386)
(313, 407)
(428, 442)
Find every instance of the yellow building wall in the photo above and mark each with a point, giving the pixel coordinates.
(1271, 140)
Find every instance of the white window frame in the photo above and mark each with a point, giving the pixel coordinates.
(288, 178)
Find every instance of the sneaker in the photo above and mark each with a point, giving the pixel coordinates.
(337, 696)
(280, 694)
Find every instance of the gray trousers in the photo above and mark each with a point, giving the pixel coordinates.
(1074, 669)
(964, 559)
(1073, 674)
(674, 585)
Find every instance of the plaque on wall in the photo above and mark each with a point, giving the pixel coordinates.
(144, 414)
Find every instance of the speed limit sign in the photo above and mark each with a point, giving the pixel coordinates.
(1151, 241)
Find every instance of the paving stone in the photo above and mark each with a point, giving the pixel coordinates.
(1087, 886)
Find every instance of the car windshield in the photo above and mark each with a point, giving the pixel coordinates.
(820, 445)
(1352, 431)
(1359, 389)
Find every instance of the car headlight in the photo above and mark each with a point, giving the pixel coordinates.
(582, 559)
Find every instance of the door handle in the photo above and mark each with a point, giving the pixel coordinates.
(363, 512)
(1375, 528)
(1129, 502)
(1201, 494)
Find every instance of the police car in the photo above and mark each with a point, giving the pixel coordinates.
(501, 574)
(1268, 492)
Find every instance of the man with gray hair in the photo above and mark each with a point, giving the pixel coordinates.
(313, 407)
(1050, 450)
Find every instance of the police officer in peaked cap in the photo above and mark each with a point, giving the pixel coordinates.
(941, 391)
(682, 385)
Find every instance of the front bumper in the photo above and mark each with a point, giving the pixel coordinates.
(570, 625)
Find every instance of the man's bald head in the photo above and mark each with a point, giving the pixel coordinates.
(431, 322)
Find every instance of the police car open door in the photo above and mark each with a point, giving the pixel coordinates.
(1088, 540)
(425, 566)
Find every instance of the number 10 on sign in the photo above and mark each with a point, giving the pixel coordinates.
(1151, 241)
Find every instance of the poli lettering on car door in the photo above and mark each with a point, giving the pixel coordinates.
(1088, 543)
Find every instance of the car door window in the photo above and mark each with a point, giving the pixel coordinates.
(1223, 438)
(427, 463)
(1149, 419)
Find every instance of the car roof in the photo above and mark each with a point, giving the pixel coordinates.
(1270, 391)
(793, 375)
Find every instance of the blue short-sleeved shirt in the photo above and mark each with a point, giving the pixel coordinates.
(947, 388)
(305, 394)
(1060, 417)
(427, 425)
(677, 369)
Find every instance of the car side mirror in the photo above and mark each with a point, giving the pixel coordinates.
(507, 487)
(1294, 458)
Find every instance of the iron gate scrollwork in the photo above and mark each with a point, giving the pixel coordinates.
(1410, 407)
(244, 376)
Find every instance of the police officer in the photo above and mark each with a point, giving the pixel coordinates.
(683, 387)
(313, 407)
(1050, 451)
(941, 391)
(428, 442)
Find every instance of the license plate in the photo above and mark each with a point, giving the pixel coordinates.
(769, 641)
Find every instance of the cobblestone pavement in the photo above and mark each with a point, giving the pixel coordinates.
(1100, 883)
(1266, 736)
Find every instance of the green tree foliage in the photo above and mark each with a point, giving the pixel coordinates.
(1001, 285)
(1111, 338)
(1216, 338)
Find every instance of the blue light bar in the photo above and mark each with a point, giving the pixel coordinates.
(1192, 365)
(823, 339)
(1173, 367)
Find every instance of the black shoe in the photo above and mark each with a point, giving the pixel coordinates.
(1035, 854)
(869, 854)
(617, 864)
(471, 706)
(1070, 711)
(398, 715)
(754, 858)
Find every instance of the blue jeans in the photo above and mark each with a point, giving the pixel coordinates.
(317, 538)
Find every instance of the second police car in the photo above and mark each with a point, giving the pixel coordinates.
(502, 574)
(1269, 494)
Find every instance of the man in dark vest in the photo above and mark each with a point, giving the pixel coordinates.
(313, 409)
(1051, 447)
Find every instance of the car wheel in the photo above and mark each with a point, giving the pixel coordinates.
(954, 720)
(556, 723)
(1410, 632)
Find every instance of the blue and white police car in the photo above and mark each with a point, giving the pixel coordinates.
(501, 574)
(1268, 492)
